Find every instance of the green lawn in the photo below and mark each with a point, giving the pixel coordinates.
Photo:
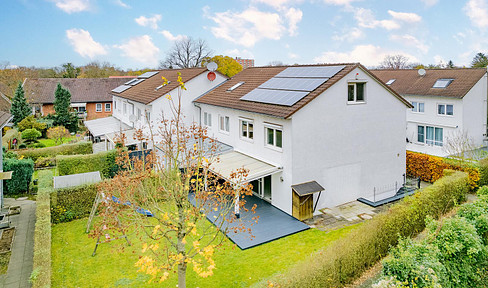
(73, 265)
(50, 142)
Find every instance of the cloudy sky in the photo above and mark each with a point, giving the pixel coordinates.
(138, 33)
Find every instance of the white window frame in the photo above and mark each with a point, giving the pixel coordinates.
(430, 142)
(273, 127)
(139, 114)
(98, 105)
(109, 107)
(224, 124)
(207, 119)
(445, 109)
(354, 84)
(246, 134)
(125, 108)
(416, 107)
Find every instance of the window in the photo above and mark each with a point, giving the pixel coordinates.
(355, 92)
(390, 81)
(139, 114)
(207, 119)
(125, 108)
(235, 86)
(442, 83)
(108, 107)
(418, 107)
(445, 109)
(148, 116)
(99, 107)
(131, 109)
(274, 136)
(81, 109)
(224, 123)
(247, 128)
(430, 135)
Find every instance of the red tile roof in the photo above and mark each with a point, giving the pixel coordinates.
(409, 82)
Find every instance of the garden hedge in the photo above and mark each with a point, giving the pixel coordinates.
(72, 203)
(346, 259)
(105, 162)
(21, 176)
(41, 273)
(82, 147)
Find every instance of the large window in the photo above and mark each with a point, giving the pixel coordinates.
(445, 109)
(247, 128)
(355, 92)
(108, 107)
(430, 135)
(224, 123)
(207, 119)
(274, 136)
(99, 107)
(418, 107)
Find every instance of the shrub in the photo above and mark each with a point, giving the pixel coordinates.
(82, 147)
(348, 258)
(72, 203)
(31, 134)
(43, 162)
(103, 162)
(41, 274)
(57, 134)
(31, 123)
(21, 175)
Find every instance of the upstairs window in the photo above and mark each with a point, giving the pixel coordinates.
(274, 136)
(418, 107)
(139, 114)
(355, 92)
(445, 109)
(442, 83)
(224, 123)
(207, 119)
(247, 128)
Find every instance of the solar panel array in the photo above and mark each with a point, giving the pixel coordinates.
(134, 81)
(148, 74)
(121, 88)
(292, 84)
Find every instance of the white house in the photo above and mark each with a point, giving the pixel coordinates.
(337, 125)
(448, 105)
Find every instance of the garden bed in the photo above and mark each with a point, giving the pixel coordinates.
(6, 239)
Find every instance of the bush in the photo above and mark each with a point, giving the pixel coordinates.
(31, 123)
(43, 162)
(103, 162)
(345, 260)
(31, 134)
(72, 203)
(82, 147)
(57, 134)
(21, 176)
(41, 274)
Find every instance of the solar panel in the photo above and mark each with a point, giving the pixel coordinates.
(121, 88)
(311, 71)
(137, 82)
(296, 84)
(279, 97)
(130, 81)
(148, 74)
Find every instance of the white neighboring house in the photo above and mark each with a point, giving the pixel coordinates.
(337, 125)
(447, 103)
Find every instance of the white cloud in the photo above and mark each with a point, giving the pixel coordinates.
(430, 3)
(439, 60)
(294, 16)
(122, 4)
(239, 53)
(366, 19)
(84, 44)
(368, 55)
(171, 37)
(459, 37)
(405, 17)
(72, 6)
(273, 3)
(409, 40)
(292, 55)
(140, 49)
(339, 2)
(477, 12)
(349, 35)
(149, 21)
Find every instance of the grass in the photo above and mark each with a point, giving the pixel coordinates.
(4, 260)
(50, 142)
(113, 266)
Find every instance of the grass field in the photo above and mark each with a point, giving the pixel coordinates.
(73, 265)
(50, 142)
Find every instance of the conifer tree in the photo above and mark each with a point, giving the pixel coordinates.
(19, 109)
(62, 101)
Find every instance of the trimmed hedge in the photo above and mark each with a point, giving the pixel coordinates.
(430, 168)
(348, 258)
(21, 176)
(72, 203)
(105, 162)
(41, 274)
(82, 147)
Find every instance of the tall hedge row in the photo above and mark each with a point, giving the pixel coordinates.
(72, 203)
(345, 260)
(74, 164)
(82, 147)
(21, 175)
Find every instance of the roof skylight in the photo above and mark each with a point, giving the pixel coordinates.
(442, 83)
(390, 81)
(235, 86)
(161, 86)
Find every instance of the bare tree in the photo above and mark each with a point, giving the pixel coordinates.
(395, 62)
(276, 63)
(186, 53)
(460, 146)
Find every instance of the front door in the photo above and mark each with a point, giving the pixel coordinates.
(262, 187)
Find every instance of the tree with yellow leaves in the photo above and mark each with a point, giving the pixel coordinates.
(175, 185)
(226, 65)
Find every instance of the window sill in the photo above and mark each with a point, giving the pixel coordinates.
(274, 148)
(355, 102)
(224, 132)
(250, 140)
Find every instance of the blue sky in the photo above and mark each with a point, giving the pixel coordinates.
(138, 33)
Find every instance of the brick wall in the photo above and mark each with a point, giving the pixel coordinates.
(91, 112)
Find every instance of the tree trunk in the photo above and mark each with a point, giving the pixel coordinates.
(182, 275)
(180, 247)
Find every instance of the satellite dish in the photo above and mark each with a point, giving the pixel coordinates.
(212, 66)
(211, 76)
(132, 118)
(421, 72)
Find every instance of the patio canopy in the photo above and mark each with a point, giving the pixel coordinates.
(129, 137)
(307, 188)
(231, 161)
(103, 126)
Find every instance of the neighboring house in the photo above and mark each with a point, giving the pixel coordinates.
(334, 125)
(450, 105)
(5, 101)
(90, 97)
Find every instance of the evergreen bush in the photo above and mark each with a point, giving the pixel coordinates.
(82, 147)
(21, 175)
(105, 162)
(72, 203)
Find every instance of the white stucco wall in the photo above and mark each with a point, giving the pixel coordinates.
(475, 111)
(349, 148)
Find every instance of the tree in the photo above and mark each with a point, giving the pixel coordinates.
(57, 134)
(450, 65)
(178, 234)
(460, 146)
(19, 109)
(70, 71)
(480, 60)
(395, 62)
(30, 122)
(275, 63)
(226, 65)
(186, 53)
(63, 117)
(99, 70)
(30, 135)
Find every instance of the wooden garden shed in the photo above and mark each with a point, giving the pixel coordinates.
(303, 207)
